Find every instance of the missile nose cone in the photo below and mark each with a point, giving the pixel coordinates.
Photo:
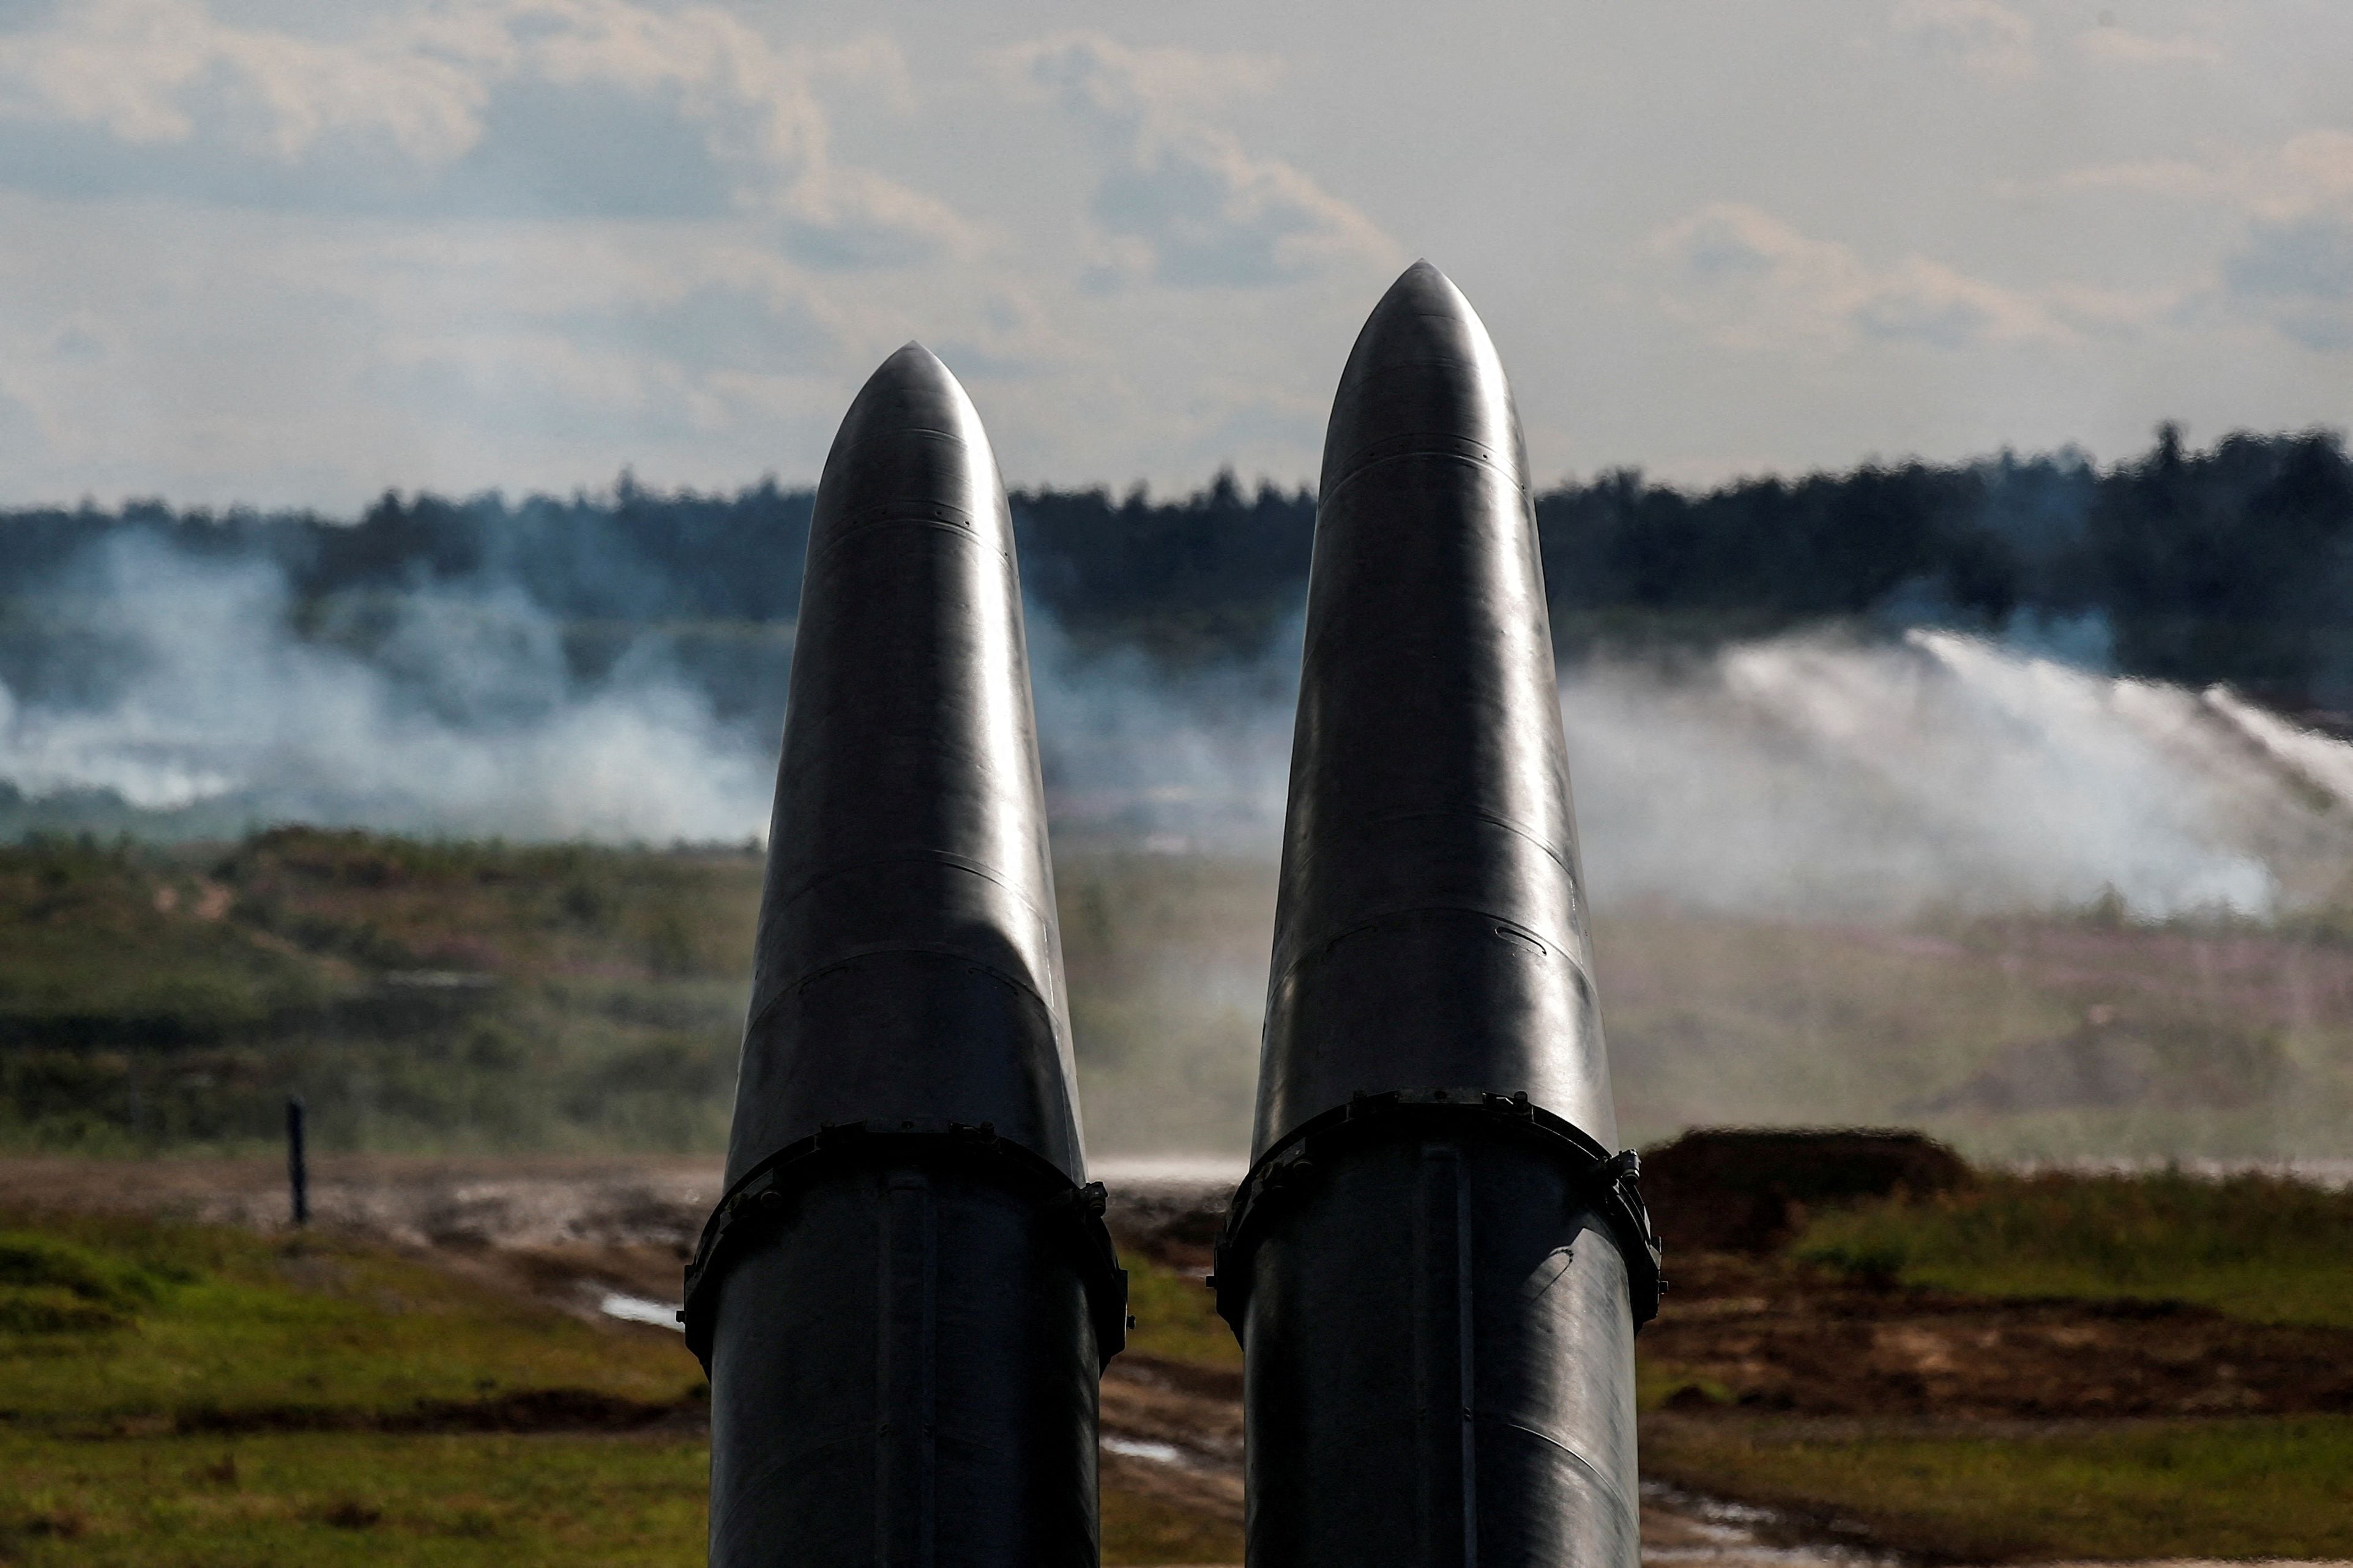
(1423, 379)
(1430, 914)
(913, 437)
(911, 387)
(907, 966)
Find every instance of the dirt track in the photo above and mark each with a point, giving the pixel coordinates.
(573, 1231)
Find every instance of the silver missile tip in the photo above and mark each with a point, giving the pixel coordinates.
(910, 392)
(1423, 377)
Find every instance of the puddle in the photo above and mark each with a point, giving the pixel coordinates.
(1679, 1526)
(1140, 1448)
(638, 1310)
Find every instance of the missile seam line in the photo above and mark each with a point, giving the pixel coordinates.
(850, 533)
(877, 511)
(1505, 823)
(1482, 369)
(947, 857)
(1519, 483)
(1601, 1483)
(788, 988)
(899, 432)
(1484, 916)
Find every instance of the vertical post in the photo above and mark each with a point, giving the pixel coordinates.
(298, 1169)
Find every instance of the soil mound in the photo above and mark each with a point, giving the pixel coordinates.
(1750, 1189)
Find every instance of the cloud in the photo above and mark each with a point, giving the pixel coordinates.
(1754, 283)
(1010, 336)
(2111, 45)
(2310, 258)
(20, 430)
(1989, 39)
(2291, 265)
(714, 325)
(1184, 203)
(633, 350)
(2311, 171)
(557, 107)
(2298, 274)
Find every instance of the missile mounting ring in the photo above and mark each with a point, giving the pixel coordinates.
(1606, 1182)
(762, 1201)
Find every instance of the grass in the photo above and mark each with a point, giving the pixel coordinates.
(605, 985)
(107, 1322)
(145, 1367)
(1176, 1317)
(115, 1331)
(1723, 1020)
(353, 1498)
(423, 995)
(2226, 1489)
(439, 1500)
(2260, 1250)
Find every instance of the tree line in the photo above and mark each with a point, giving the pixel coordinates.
(2225, 563)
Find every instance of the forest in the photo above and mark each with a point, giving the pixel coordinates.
(2226, 563)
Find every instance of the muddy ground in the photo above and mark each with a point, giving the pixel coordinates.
(1765, 1334)
(1738, 1335)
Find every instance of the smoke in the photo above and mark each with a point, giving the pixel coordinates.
(1807, 776)
(1192, 760)
(1803, 776)
(1799, 776)
(452, 711)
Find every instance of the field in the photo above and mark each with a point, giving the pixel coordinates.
(518, 1065)
(445, 997)
(190, 1392)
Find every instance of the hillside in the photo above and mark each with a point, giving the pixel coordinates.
(474, 995)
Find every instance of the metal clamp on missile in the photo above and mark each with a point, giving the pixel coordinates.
(1611, 1181)
(763, 1201)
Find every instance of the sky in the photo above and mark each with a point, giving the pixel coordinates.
(275, 253)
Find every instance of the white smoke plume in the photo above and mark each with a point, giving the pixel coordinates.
(462, 719)
(1800, 777)
(1808, 776)
(1193, 760)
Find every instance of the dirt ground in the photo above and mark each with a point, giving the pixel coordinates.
(1743, 1335)
(1768, 1335)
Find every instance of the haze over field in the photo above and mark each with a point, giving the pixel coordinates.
(1808, 773)
(1843, 871)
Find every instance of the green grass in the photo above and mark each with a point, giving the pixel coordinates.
(617, 980)
(597, 1002)
(1176, 1317)
(2263, 1251)
(121, 1339)
(443, 1502)
(107, 1321)
(2228, 1489)
(353, 1498)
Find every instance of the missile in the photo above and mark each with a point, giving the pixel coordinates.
(1437, 1264)
(905, 1298)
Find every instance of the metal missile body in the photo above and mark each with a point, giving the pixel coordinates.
(1436, 1265)
(906, 1297)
